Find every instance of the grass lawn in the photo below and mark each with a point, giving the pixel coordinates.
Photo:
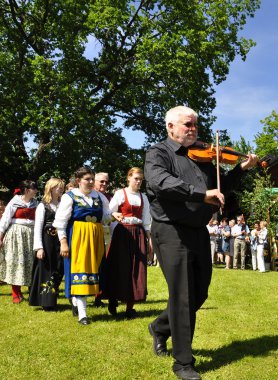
(236, 335)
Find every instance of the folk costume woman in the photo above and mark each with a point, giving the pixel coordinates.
(48, 269)
(126, 264)
(16, 239)
(78, 221)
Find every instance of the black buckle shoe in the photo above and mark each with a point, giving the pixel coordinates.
(130, 314)
(49, 308)
(98, 303)
(187, 373)
(159, 342)
(112, 307)
(84, 321)
(74, 311)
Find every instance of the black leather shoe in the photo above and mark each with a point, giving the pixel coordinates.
(49, 308)
(112, 308)
(98, 303)
(187, 373)
(84, 321)
(159, 342)
(75, 311)
(130, 314)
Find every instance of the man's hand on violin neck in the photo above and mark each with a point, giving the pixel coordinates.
(250, 162)
(214, 197)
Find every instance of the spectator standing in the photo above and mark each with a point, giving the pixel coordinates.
(232, 223)
(240, 232)
(262, 242)
(226, 235)
(212, 227)
(16, 239)
(254, 244)
(219, 245)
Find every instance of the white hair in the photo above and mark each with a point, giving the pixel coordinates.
(101, 174)
(174, 114)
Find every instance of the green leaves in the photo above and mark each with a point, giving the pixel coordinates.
(259, 203)
(69, 69)
(267, 140)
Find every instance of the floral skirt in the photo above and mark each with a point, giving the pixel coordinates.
(17, 255)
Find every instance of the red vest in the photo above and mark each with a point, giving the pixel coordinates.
(129, 210)
(25, 213)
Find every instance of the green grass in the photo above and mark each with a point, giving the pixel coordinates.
(236, 335)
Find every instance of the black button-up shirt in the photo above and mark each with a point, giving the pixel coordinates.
(176, 185)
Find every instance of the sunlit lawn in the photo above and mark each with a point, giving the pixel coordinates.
(236, 335)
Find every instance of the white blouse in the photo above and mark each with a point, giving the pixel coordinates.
(12, 206)
(39, 221)
(212, 229)
(64, 210)
(262, 235)
(134, 200)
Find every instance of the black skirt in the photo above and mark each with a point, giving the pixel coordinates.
(47, 273)
(126, 265)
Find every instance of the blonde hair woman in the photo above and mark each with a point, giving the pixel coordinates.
(48, 265)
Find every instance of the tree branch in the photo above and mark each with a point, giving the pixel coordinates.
(14, 7)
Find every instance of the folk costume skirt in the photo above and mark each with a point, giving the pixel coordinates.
(47, 273)
(126, 264)
(86, 242)
(17, 255)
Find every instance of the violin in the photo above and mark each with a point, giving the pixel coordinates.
(203, 152)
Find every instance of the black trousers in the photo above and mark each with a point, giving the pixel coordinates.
(185, 260)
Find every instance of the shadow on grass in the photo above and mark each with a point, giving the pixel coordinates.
(148, 301)
(237, 350)
(121, 315)
(165, 300)
(60, 308)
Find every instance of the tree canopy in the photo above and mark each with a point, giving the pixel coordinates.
(256, 197)
(267, 140)
(74, 73)
(259, 203)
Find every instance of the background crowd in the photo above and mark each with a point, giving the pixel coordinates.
(232, 242)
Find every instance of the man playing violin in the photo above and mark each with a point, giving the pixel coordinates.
(183, 196)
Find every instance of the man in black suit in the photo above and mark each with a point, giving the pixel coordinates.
(183, 196)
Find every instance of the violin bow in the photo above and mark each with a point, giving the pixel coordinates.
(218, 165)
